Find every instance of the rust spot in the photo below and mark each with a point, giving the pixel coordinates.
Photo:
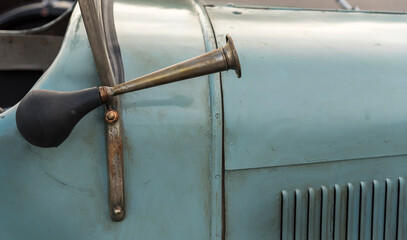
(103, 94)
(115, 165)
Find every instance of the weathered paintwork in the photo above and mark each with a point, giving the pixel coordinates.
(61, 193)
(317, 88)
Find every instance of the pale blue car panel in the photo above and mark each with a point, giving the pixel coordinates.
(61, 193)
(56, 193)
(316, 86)
(288, 201)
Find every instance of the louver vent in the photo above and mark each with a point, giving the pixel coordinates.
(366, 210)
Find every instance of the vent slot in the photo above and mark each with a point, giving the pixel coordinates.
(366, 210)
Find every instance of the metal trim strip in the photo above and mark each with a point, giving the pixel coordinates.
(218, 224)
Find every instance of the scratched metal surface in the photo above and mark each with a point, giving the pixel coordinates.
(61, 193)
(316, 86)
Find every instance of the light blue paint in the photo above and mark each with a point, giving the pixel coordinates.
(216, 148)
(57, 193)
(167, 128)
(316, 86)
(253, 196)
(61, 193)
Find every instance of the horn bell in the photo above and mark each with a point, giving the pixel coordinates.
(231, 56)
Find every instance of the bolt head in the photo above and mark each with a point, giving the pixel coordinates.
(111, 116)
(117, 210)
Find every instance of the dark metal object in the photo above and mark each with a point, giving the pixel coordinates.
(115, 165)
(97, 41)
(114, 127)
(220, 59)
(116, 171)
(114, 136)
(98, 31)
(112, 43)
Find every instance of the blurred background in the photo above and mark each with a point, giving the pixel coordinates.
(368, 5)
(25, 14)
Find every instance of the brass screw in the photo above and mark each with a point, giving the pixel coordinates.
(117, 210)
(111, 116)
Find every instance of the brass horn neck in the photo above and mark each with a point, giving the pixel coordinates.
(221, 59)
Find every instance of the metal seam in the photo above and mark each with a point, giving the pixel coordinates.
(231, 5)
(216, 110)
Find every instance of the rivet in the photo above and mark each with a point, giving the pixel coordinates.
(117, 210)
(111, 116)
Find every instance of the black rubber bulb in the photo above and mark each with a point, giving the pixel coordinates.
(46, 118)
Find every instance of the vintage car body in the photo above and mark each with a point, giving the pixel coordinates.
(309, 144)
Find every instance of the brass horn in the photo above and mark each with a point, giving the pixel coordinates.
(46, 118)
(221, 59)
